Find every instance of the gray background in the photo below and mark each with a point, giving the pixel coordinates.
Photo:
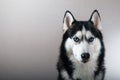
(31, 31)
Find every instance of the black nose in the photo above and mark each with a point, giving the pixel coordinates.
(85, 55)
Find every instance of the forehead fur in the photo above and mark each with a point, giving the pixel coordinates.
(79, 25)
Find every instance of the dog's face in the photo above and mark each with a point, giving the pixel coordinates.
(84, 38)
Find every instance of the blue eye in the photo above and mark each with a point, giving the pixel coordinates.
(76, 39)
(91, 39)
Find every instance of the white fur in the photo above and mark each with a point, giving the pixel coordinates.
(69, 45)
(83, 31)
(78, 34)
(79, 49)
(89, 34)
(84, 71)
(65, 75)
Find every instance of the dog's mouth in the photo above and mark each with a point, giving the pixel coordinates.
(85, 60)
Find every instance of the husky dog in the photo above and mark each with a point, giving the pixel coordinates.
(82, 49)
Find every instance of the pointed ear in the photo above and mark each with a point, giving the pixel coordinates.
(67, 20)
(95, 18)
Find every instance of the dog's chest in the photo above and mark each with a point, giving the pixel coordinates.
(84, 71)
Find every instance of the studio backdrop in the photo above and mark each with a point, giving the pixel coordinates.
(31, 34)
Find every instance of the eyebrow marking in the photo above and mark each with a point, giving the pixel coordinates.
(79, 34)
(89, 34)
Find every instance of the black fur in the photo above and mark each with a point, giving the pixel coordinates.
(65, 64)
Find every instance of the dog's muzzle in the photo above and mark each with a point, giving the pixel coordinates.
(85, 57)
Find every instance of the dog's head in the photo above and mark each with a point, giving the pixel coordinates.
(83, 39)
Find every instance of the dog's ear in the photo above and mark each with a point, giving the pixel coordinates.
(95, 18)
(67, 20)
